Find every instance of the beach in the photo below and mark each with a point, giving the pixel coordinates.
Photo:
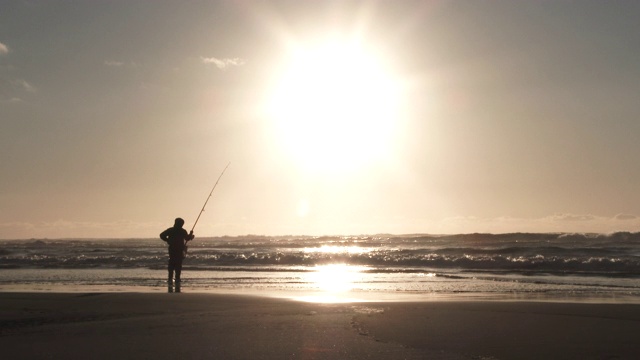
(319, 180)
(130, 325)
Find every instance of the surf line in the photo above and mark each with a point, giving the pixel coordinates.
(207, 200)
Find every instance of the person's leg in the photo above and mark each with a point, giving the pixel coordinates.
(170, 279)
(178, 270)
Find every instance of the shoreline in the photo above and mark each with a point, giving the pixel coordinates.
(203, 326)
(327, 297)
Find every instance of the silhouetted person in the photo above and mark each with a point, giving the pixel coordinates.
(177, 238)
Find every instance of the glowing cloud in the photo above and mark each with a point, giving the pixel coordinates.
(223, 64)
(4, 49)
(23, 84)
(113, 63)
(573, 217)
(625, 217)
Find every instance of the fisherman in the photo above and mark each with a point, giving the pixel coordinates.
(177, 238)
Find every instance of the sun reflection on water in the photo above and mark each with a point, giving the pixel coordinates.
(335, 249)
(334, 282)
(335, 277)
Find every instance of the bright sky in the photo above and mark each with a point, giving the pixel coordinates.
(337, 117)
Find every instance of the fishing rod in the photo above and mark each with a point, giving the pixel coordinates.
(206, 201)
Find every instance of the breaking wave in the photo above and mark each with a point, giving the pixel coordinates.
(616, 254)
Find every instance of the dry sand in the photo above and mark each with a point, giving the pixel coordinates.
(208, 326)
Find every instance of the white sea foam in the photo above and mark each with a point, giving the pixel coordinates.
(528, 265)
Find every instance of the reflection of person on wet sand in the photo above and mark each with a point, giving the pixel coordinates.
(177, 238)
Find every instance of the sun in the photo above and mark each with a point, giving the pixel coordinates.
(334, 106)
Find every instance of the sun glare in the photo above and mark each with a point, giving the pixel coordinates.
(334, 107)
(335, 278)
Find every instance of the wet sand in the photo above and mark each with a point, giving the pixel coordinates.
(213, 326)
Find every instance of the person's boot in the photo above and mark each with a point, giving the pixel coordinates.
(170, 285)
(177, 285)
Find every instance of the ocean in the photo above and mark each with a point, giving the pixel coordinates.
(520, 266)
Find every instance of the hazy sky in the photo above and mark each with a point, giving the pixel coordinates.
(338, 117)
